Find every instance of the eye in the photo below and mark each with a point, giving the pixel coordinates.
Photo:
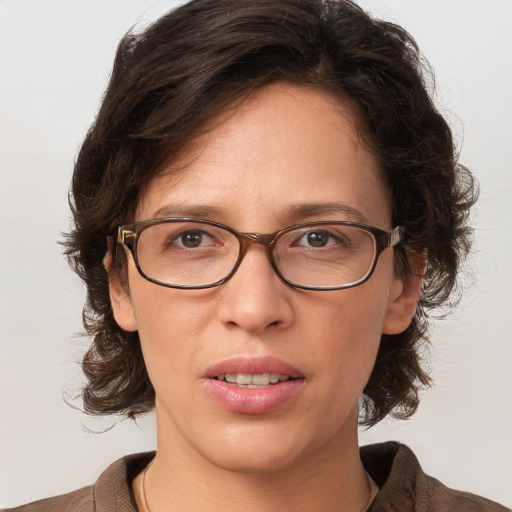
(320, 238)
(317, 238)
(192, 239)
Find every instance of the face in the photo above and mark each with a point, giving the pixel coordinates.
(287, 155)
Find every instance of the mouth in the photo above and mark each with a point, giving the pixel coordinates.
(248, 385)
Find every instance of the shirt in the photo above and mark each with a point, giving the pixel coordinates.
(403, 487)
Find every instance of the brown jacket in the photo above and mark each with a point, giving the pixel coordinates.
(404, 487)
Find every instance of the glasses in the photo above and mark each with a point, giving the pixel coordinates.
(191, 253)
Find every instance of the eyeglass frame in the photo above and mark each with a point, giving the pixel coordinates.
(128, 237)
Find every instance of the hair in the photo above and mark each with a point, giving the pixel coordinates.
(171, 78)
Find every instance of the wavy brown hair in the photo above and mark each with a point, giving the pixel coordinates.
(169, 79)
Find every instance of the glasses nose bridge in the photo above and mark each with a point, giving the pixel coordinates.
(248, 239)
(265, 239)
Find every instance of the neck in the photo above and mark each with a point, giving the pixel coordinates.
(330, 479)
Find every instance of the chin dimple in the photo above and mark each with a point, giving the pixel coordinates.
(252, 381)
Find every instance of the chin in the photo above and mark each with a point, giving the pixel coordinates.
(260, 462)
(264, 449)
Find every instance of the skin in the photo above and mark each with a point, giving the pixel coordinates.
(283, 146)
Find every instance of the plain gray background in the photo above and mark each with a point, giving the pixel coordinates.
(55, 58)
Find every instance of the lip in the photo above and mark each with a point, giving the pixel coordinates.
(253, 366)
(255, 400)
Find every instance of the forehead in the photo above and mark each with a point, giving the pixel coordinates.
(281, 149)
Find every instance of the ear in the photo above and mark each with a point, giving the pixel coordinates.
(122, 307)
(404, 297)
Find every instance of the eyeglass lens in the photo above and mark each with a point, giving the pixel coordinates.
(197, 254)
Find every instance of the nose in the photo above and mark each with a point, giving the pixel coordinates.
(255, 298)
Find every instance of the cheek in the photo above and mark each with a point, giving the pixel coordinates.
(347, 329)
(169, 325)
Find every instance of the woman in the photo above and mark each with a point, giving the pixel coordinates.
(263, 198)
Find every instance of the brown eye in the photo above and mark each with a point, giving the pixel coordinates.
(317, 238)
(190, 239)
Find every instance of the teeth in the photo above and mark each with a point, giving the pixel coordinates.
(260, 380)
(251, 381)
(243, 379)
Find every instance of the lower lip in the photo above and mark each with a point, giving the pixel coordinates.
(254, 400)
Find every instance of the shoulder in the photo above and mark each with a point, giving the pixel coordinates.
(404, 486)
(111, 492)
(81, 500)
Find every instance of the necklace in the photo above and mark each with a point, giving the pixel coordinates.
(369, 482)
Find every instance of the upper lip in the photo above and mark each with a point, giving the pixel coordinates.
(253, 366)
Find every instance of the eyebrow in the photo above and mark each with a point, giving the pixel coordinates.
(294, 213)
(181, 210)
(300, 211)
